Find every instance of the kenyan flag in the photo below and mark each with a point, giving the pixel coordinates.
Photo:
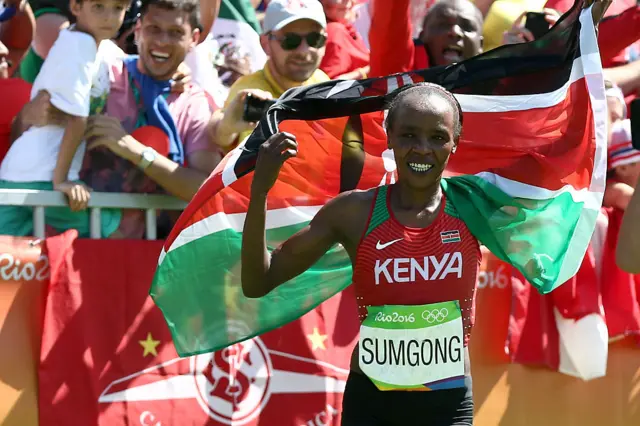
(528, 179)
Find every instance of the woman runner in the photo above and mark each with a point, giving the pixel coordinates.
(414, 268)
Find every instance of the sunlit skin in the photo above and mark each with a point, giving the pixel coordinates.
(338, 10)
(4, 64)
(452, 32)
(100, 18)
(423, 131)
(423, 139)
(296, 65)
(164, 38)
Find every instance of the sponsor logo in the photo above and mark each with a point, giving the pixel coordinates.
(232, 386)
(429, 268)
(450, 237)
(381, 246)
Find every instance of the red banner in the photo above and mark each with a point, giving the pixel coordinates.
(107, 356)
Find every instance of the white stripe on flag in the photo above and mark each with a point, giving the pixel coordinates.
(502, 103)
(277, 218)
(515, 189)
(595, 85)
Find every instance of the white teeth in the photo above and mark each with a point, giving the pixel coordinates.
(417, 167)
(160, 56)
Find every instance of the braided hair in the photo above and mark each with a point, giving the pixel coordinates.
(428, 89)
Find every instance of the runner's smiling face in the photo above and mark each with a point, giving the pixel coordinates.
(422, 134)
(164, 38)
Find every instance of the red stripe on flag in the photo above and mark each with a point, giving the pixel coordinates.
(531, 147)
(546, 140)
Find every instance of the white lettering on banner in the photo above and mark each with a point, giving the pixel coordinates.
(148, 419)
(233, 383)
(323, 418)
(12, 269)
(493, 279)
(407, 269)
(232, 386)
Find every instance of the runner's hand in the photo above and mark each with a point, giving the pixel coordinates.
(599, 9)
(273, 153)
(77, 194)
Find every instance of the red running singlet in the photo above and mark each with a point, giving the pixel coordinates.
(399, 265)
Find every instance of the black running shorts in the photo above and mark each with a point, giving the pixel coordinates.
(364, 405)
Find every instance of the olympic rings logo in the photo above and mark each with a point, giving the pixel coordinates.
(435, 315)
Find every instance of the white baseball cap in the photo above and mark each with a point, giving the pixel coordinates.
(283, 12)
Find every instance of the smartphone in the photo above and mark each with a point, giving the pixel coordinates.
(634, 111)
(537, 23)
(255, 108)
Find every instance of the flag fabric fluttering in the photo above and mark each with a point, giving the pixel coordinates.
(528, 179)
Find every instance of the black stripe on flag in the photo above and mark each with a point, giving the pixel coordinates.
(541, 66)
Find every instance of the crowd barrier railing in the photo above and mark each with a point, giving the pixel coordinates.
(39, 200)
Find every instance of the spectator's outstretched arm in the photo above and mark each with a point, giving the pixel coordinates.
(182, 182)
(618, 32)
(628, 250)
(208, 13)
(627, 77)
(391, 38)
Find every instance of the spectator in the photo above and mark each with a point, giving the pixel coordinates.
(625, 162)
(346, 56)
(51, 16)
(362, 21)
(5, 63)
(294, 38)
(51, 156)
(452, 32)
(116, 160)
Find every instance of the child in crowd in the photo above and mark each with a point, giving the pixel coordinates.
(623, 163)
(50, 157)
(623, 166)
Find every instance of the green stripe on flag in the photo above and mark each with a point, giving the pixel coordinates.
(544, 239)
(206, 310)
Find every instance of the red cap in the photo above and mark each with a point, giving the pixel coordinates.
(153, 137)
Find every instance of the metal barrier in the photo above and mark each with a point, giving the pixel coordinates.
(151, 203)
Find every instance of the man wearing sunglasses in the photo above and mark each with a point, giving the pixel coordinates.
(293, 37)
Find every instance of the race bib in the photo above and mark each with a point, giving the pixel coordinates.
(413, 347)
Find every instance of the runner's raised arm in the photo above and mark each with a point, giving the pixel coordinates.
(261, 271)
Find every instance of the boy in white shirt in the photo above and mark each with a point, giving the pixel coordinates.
(50, 157)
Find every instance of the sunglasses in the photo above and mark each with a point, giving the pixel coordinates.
(291, 41)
